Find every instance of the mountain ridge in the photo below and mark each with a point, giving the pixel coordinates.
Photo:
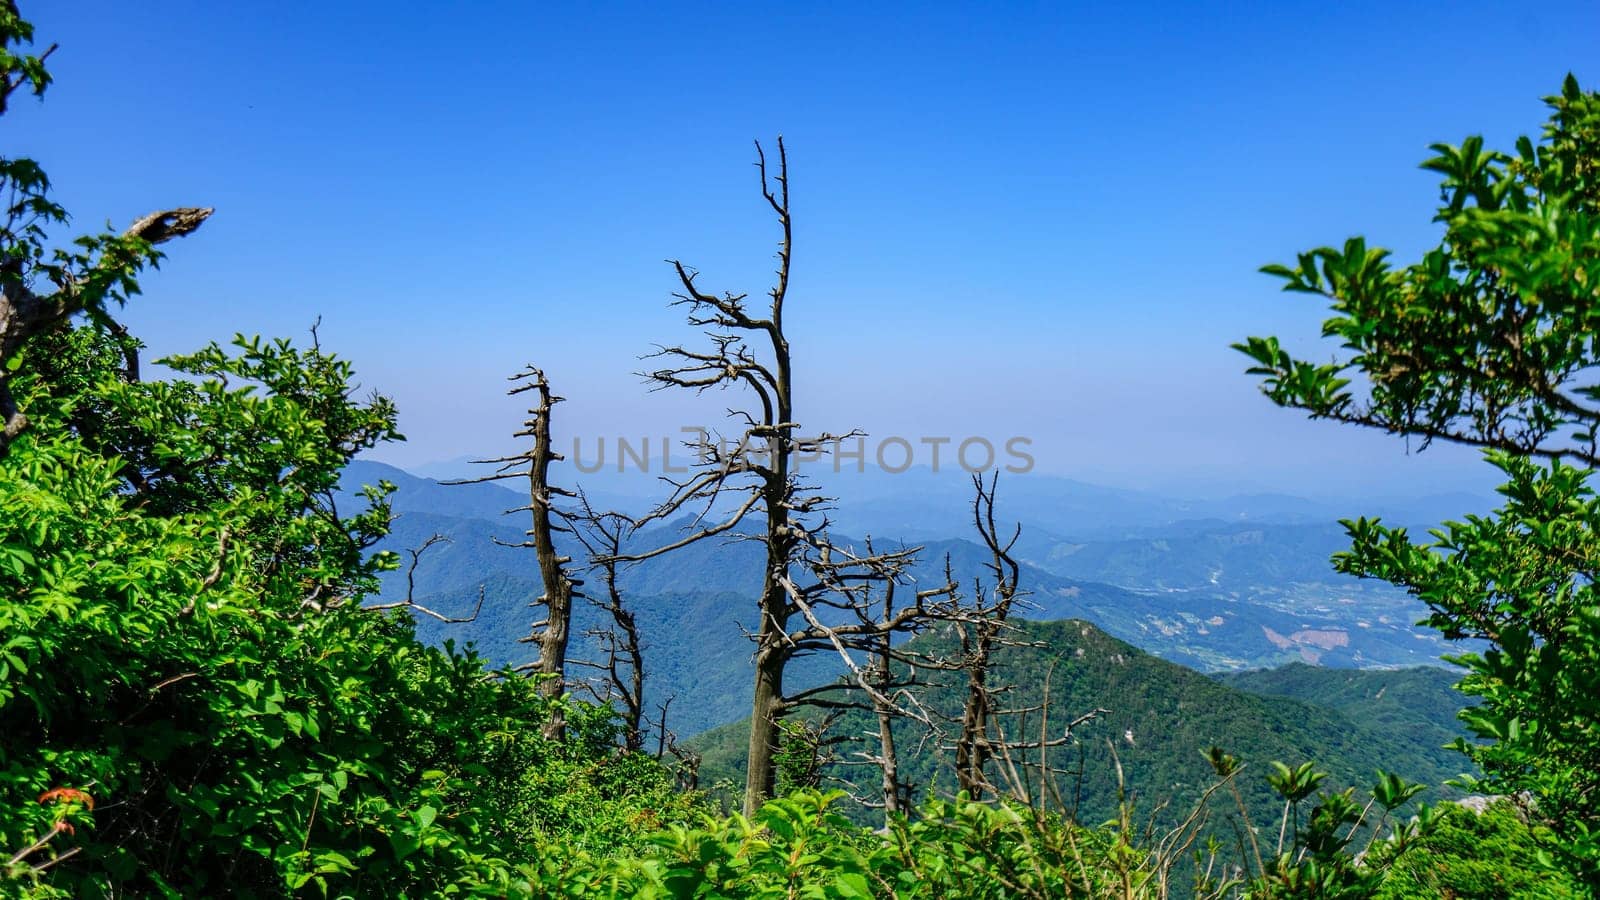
(1223, 626)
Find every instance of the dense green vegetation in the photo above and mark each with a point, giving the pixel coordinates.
(1485, 852)
(199, 695)
(192, 699)
(1418, 705)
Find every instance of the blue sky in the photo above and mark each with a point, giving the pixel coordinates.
(1036, 219)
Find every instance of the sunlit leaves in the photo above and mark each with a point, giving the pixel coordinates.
(1490, 338)
(1522, 579)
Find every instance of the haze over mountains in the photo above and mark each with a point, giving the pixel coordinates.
(1217, 585)
(920, 503)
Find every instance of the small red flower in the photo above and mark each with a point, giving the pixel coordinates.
(67, 795)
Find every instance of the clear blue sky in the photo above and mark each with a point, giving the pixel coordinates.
(1039, 219)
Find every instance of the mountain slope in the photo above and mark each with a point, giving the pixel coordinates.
(1420, 704)
(1161, 717)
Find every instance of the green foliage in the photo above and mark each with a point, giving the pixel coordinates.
(1489, 855)
(184, 644)
(1489, 337)
(803, 751)
(192, 699)
(1490, 340)
(581, 792)
(1317, 860)
(190, 659)
(1521, 579)
(799, 846)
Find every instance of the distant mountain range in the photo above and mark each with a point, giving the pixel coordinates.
(919, 503)
(1247, 587)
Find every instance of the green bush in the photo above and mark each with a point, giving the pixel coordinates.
(1494, 854)
(199, 665)
(192, 699)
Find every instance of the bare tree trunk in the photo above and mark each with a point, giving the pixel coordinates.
(972, 745)
(602, 535)
(557, 585)
(633, 707)
(751, 353)
(883, 668)
(889, 759)
(554, 632)
(761, 773)
(888, 756)
(773, 651)
(983, 739)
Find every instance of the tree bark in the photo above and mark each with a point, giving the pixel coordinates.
(761, 774)
(773, 651)
(557, 584)
(889, 762)
(972, 747)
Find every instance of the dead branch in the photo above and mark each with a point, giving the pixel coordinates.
(533, 466)
(25, 314)
(410, 601)
(602, 535)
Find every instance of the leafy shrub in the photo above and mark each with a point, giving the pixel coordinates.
(1488, 854)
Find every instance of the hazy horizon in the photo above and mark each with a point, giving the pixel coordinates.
(849, 485)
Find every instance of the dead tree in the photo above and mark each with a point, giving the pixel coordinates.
(887, 686)
(753, 479)
(602, 535)
(982, 739)
(552, 633)
(896, 791)
(757, 469)
(410, 602)
(687, 771)
(25, 314)
(978, 639)
(890, 676)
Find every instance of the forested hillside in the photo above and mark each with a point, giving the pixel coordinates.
(1419, 705)
(1154, 718)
